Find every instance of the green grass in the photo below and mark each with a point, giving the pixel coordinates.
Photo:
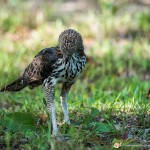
(107, 105)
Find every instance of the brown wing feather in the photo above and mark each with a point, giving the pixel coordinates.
(38, 70)
(41, 66)
(16, 85)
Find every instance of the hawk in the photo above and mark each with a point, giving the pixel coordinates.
(60, 64)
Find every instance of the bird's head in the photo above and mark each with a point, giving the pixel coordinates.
(70, 42)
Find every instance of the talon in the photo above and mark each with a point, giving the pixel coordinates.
(59, 137)
(68, 122)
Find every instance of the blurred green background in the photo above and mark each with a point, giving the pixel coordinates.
(116, 35)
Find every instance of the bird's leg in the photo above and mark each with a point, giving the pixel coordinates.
(50, 95)
(63, 99)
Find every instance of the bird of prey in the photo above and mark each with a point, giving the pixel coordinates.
(60, 64)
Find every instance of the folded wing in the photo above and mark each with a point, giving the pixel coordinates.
(35, 73)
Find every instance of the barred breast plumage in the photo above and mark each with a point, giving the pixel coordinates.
(66, 70)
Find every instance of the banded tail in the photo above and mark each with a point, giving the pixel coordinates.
(16, 85)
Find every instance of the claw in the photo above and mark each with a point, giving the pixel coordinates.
(68, 122)
(60, 137)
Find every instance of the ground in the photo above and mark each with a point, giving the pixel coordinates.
(108, 105)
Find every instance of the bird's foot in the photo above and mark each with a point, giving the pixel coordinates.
(60, 137)
(68, 122)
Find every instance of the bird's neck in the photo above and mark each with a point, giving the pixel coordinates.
(78, 54)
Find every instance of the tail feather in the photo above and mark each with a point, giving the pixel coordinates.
(16, 85)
